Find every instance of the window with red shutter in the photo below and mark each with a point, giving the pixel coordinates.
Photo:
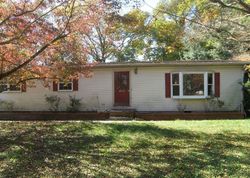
(168, 85)
(217, 84)
(23, 87)
(75, 84)
(55, 86)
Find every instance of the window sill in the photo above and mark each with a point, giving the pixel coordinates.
(65, 90)
(191, 97)
(11, 92)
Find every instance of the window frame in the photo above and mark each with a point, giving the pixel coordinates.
(213, 84)
(172, 85)
(58, 85)
(11, 91)
(205, 78)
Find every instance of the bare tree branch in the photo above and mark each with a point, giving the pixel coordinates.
(245, 8)
(18, 36)
(60, 36)
(22, 13)
(219, 30)
(245, 5)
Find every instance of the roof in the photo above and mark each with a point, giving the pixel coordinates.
(174, 63)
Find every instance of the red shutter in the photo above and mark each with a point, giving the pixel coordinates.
(23, 87)
(75, 85)
(55, 86)
(168, 85)
(217, 84)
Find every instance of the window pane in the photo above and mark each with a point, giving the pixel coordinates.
(123, 81)
(193, 84)
(210, 90)
(210, 78)
(14, 88)
(176, 90)
(64, 86)
(3, 87)
(175, 78)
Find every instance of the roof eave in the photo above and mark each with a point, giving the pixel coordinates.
(172, 64)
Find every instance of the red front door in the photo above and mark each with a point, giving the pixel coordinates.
(122, 88)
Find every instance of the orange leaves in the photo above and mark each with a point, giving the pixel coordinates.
(29, 27)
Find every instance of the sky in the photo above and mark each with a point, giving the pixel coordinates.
(147, 4)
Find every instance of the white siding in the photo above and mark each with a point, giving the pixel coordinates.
(147, 91)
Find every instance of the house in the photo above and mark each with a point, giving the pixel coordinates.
(169, 86)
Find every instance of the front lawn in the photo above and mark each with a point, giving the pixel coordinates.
(125, 149)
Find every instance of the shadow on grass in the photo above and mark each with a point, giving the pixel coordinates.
(84, 149)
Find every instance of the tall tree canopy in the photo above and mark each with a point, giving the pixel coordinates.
(56, 39)
(40, 38)
(214, 29)
(184, 30)
(136, 35)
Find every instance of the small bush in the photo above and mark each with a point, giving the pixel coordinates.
(74, 104)
(246, 93)
(181, 107)
(53, 101)
(215, 103)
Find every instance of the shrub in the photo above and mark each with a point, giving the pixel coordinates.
(246, 93)
(74, 104)
(181, 107)
(53, 101)
(215, 103)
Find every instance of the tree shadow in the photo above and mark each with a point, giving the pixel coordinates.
(52, 149)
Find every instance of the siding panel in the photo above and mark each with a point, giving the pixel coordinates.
(147, 91)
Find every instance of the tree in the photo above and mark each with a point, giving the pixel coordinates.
(107, 39)
(213, 29)
(39, 39)
(140, 36)
(100, 39)
(239, 5)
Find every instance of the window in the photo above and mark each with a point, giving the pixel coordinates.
(9, 87)
(14, 88)
(176, 84)
(3, 87)
(192, 84)
(62, 86)
(71, 85)
(210, 84)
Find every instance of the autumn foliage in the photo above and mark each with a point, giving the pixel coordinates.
(55, 39)
(39, 39)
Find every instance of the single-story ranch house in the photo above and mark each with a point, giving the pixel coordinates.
(169, 86)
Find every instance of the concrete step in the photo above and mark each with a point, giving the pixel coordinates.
(123, 111)
(118, 113)
(123, 108)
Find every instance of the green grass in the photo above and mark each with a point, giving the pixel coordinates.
(125, 149)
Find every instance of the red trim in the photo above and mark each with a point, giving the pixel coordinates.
(23, 87)
(75, 85)
(217, 84)
(168, 85)
(121, 95)
(55, 86)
